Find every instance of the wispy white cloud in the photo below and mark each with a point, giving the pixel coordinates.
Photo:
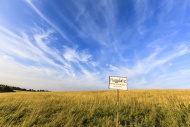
(175, 80)
(47, 20)
(88, 20)
(36, 77)
(33, 60)
(141, 9)
(147, 70)
(74, 56)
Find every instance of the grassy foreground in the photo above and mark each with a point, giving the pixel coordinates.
(147, 108)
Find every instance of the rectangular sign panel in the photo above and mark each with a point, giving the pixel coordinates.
(118, 82)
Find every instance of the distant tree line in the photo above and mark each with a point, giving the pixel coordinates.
(6, 88)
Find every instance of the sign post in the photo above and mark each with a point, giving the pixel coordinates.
(119, 83)
(117, 121)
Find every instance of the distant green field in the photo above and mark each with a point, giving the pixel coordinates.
(139, 108)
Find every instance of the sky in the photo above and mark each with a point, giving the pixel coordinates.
(63, 45)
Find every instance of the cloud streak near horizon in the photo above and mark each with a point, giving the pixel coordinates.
(76, 45)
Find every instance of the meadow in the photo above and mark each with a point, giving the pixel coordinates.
(138, 108)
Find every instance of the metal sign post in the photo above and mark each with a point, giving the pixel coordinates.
(117, 121)
(118, 83)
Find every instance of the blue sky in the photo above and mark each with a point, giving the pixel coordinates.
(78, 44)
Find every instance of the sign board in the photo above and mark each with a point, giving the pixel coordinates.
(118, 82)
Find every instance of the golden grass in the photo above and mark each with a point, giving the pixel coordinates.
(95, 108)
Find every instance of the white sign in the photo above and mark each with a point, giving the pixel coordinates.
(118, 82)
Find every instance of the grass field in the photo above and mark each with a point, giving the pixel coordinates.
(147, 108)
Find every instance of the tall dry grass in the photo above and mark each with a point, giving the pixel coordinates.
(147, 108)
